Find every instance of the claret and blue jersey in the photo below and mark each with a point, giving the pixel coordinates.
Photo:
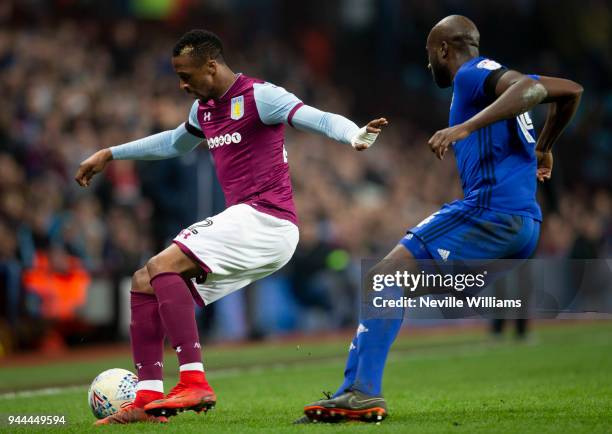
(499, 216)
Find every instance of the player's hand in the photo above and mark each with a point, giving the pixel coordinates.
(367, 135)
(442, 139)
(545, 165)
(94, 164)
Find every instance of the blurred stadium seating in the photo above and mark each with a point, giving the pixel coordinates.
(78, 75)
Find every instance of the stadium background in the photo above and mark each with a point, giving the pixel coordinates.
(78, 75)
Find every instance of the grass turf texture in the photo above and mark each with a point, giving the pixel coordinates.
(458, 383)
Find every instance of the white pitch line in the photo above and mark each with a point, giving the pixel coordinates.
(40, 392)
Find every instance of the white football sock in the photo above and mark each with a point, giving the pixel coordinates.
(192, 367)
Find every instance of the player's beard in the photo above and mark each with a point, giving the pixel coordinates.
(441, 75)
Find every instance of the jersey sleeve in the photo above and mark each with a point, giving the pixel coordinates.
(332, 125)
(192, 125)
(167, 144)
(274, 104)
(470, 82)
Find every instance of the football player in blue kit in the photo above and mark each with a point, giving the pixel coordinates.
(499, 161)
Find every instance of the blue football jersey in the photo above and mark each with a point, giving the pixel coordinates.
(497, 164)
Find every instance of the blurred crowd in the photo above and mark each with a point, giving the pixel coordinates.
(71, 84)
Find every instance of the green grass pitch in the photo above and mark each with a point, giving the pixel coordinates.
(458, 383)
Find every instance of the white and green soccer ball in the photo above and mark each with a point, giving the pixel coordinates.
(110, 391)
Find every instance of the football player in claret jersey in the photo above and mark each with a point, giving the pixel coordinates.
(242, 121)
(499, 162)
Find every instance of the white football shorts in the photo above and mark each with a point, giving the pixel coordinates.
(236, 247)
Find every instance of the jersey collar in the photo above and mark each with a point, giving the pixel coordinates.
(467, 64)
(230, 89)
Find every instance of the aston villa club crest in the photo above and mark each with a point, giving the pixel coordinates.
(237, 107)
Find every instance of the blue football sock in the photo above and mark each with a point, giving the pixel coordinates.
(377, 331)
(350, 371)
(373, 346)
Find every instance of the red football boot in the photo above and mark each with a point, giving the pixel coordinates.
(131, 414)
(186, 395)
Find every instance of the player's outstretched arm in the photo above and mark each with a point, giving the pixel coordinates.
(275, 105)
(366, 136)
(337, 127)
(167, 144)
(91, 166)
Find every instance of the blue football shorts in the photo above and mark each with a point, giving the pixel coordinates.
(461, 232)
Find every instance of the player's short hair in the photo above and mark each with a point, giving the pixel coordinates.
(200, 44)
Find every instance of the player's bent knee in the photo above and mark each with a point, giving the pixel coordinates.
(399, 259)
(172, 260)
(140, 281)
(157, 265)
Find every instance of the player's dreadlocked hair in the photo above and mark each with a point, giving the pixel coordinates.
(201, 44)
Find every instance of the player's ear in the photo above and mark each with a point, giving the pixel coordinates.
(444, 49)
(211, 66)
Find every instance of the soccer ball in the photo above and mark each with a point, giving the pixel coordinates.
(110, 391)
